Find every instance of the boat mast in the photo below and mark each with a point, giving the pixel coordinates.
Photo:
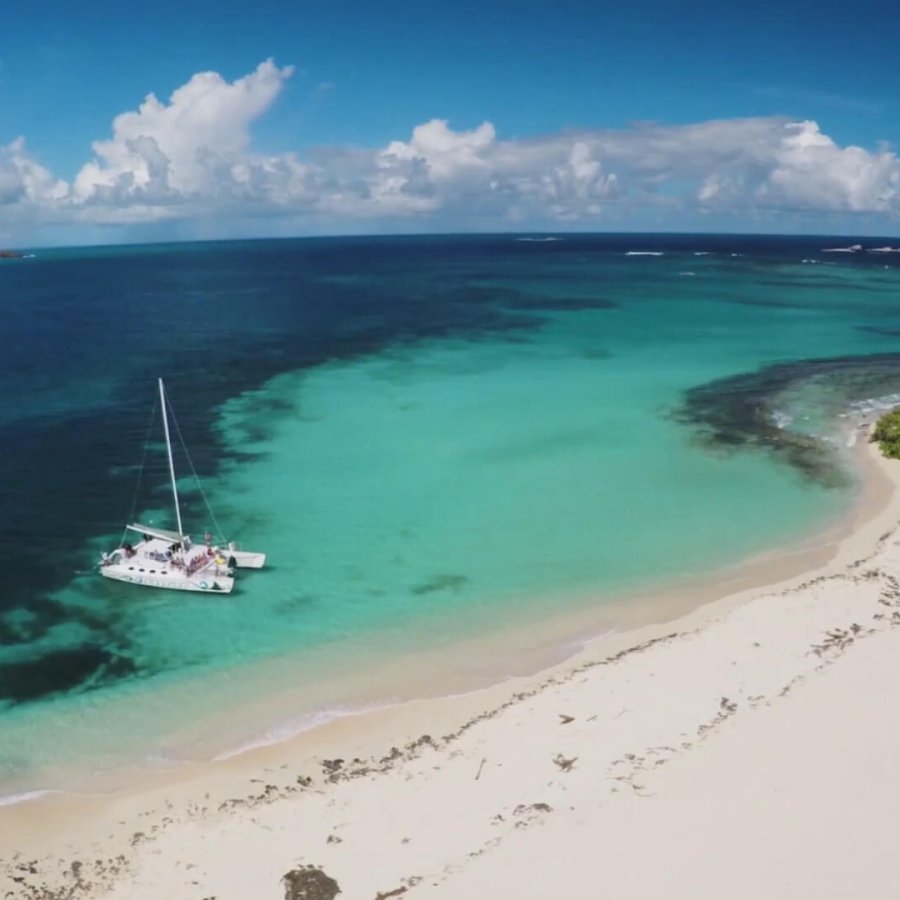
(165, 418)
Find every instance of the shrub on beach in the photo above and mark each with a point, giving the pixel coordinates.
(887, 433)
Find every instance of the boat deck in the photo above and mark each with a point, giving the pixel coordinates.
(158, 563)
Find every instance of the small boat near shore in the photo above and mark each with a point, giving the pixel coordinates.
(172, 560)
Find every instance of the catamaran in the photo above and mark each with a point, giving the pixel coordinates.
(170, 559)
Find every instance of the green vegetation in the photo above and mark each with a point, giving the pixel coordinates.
(887, 433)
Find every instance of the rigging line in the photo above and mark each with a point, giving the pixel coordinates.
(137, 487)
(199, 484)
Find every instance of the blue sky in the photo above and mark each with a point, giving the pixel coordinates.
(561, 84)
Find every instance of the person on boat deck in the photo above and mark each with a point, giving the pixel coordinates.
(146, 537)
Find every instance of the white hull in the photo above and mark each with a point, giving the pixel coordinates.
(219, 585)
(151, 564)
(244, 559)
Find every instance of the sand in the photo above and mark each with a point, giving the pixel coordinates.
(748, 748)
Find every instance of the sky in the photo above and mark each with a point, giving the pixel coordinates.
(195, 120)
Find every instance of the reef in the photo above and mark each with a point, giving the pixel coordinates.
(737, 412)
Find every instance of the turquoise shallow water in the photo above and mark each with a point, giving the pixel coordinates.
(447, 436)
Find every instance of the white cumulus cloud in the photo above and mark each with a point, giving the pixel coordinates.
(195, 146)
(192, 159)
(810, 170)
(24, 181)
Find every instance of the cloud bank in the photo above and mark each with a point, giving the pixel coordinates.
(191, 159)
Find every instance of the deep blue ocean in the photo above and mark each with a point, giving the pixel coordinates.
(445, 427)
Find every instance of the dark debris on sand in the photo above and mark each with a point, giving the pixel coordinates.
(309, 883)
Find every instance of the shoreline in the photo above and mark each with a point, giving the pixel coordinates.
(225, 797)
(535, 642)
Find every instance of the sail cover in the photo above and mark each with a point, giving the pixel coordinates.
(171, 536)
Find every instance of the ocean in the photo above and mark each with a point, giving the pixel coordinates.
(431, 437)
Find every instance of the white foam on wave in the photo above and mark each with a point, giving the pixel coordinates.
(853, 248)
(538, 240)
(883, 250)
(687, 273)
(644, 253)
(863, 413)
(781, 419)
(702, 252)
(24, 797)
(284, 731)
(871, 405)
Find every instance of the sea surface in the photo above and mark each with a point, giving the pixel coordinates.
(431, 437)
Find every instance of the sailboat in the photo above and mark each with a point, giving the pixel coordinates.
(171, 559)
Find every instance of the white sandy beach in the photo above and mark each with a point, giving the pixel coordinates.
(750, 748)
